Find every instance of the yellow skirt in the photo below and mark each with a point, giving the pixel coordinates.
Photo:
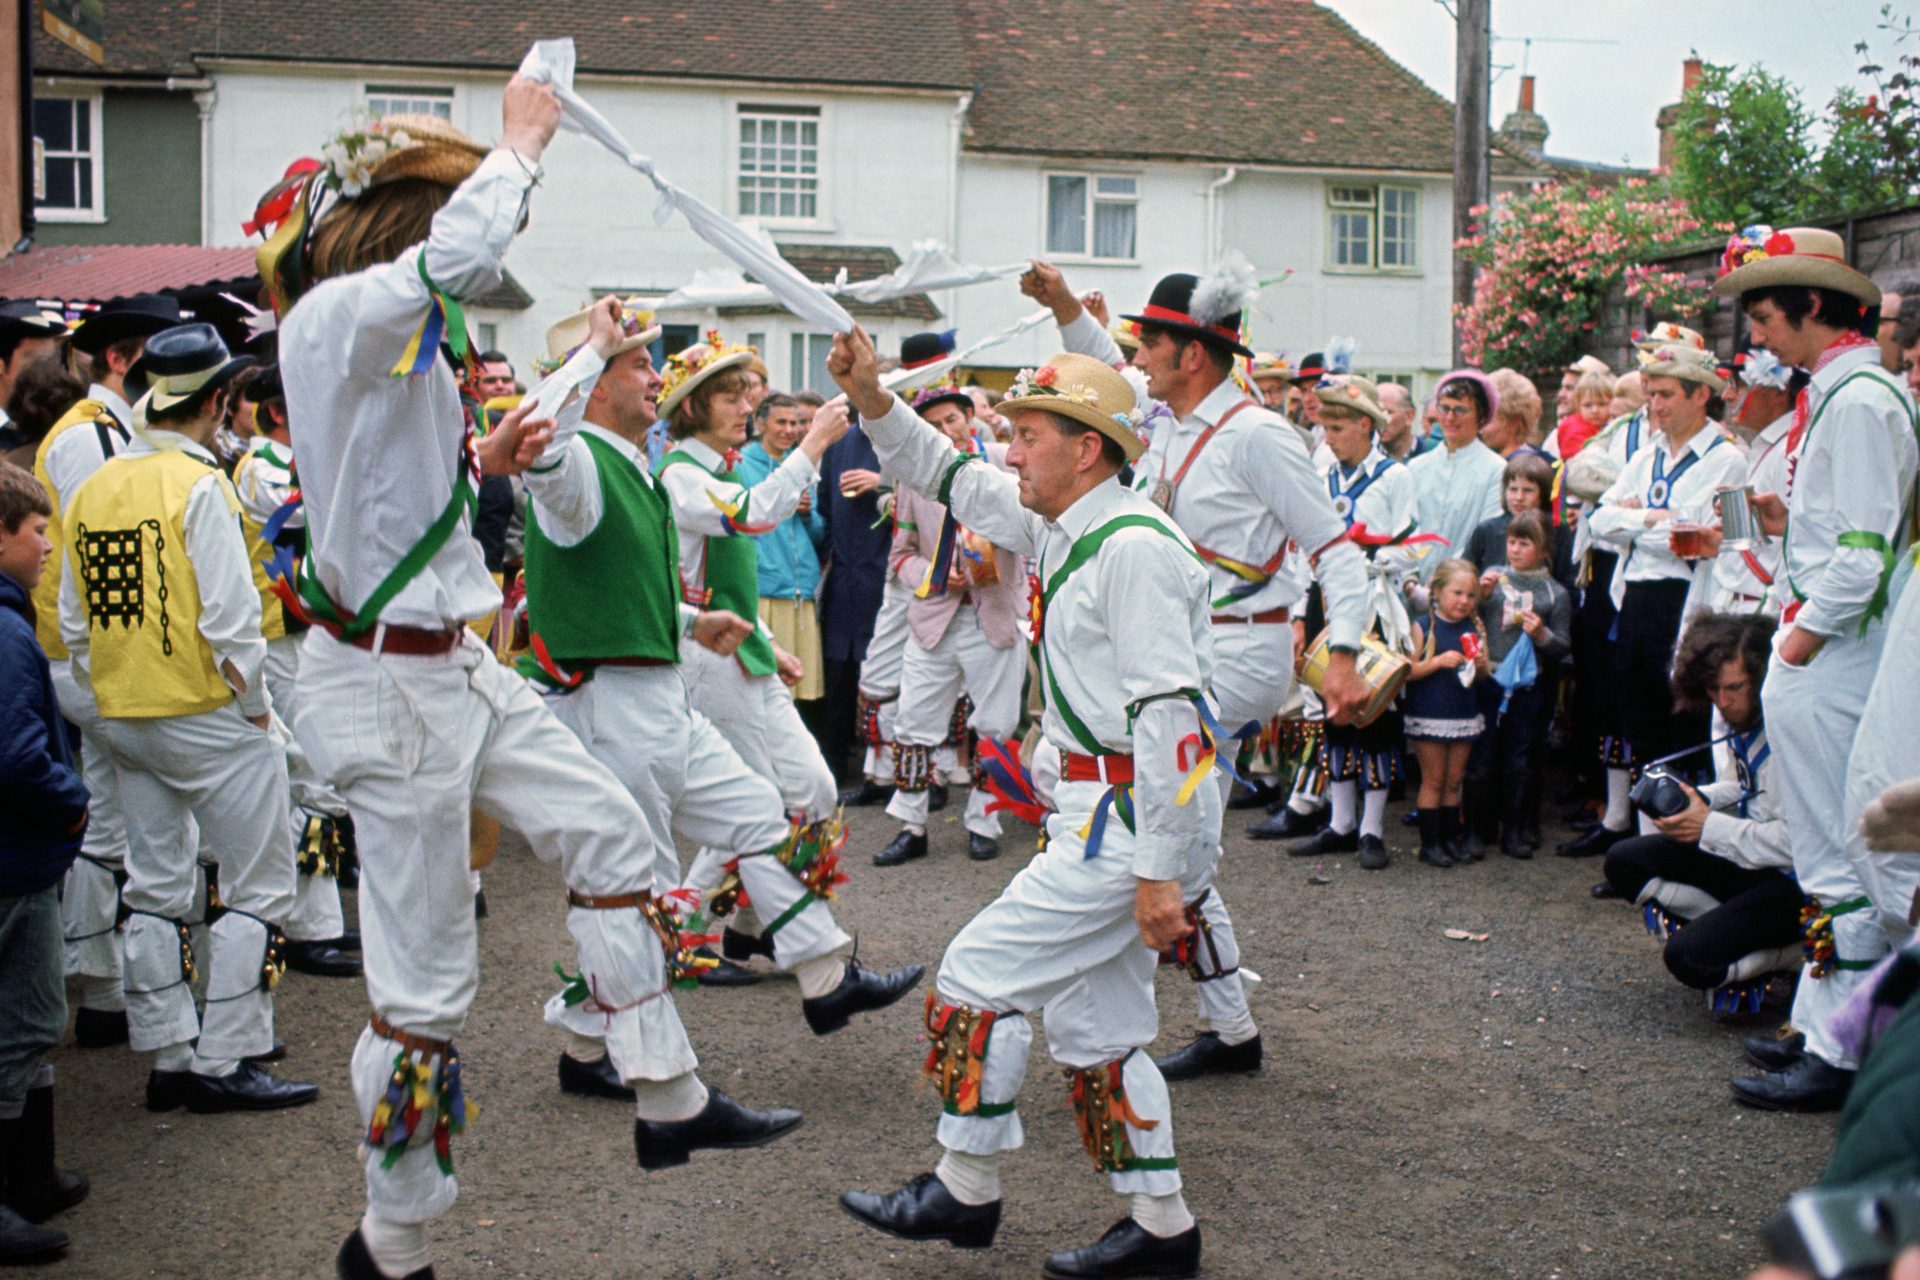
(796, 629)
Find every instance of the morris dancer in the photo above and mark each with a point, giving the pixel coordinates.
(1125, 652)
(1236, 479)
(607, 624)
(373, 252)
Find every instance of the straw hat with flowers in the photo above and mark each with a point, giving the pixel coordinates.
(687, 369)
(1758, 257)
(1086, 390)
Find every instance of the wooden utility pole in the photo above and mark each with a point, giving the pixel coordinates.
(1472, 72)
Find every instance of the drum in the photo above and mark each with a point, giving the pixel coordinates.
(1383, 670)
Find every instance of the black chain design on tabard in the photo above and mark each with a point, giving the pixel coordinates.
(113, 562)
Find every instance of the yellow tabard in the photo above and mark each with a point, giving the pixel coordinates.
(126, 541)
(273, 617)
(90, 415)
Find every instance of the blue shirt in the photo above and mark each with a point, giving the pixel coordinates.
(790, 551)
(1457, 491)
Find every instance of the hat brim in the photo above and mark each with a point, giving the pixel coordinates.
(1338, 401)
(1193, 331)
(960, 398)
(1086, 415)
(94, 335)
(671, 401)
(1708, 378)
(1790, 269)
(156, 400)
(645, 338)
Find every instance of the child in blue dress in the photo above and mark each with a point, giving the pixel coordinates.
(1442, 708)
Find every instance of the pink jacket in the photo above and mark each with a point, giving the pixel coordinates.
(1001, 607)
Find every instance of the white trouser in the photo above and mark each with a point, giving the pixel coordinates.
(932, 681)
(316, 914)
(880, 673)
(411, 744)
(231, 777)
(1252, 679)
(691, 783)
(1812, 714)
(1886, 750)
(756, 714)
(1061, 938)
(90, 899)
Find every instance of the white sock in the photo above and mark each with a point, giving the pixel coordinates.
(1373, 814)
(970, 1179)
(215, 1067)
(1342, 796)
(681, 1098)
(1303, 801)
(914, 828)
(1619, 817)
(585, 1048)
(109, 995)
(398, 1248)
(820, 975)
(1241, 1029)
(174, 1057)
(1162, 1216)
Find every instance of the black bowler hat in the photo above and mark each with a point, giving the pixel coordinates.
(1311, 370)
(266, 384)
(184, 364)
(926, 348)
(28, 320)
(142, 315)
(1171, 306)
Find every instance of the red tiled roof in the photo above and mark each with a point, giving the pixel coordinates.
(100, 273)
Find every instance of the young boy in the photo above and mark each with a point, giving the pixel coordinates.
(46, 803)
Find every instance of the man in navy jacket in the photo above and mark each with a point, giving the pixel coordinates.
(857, 543)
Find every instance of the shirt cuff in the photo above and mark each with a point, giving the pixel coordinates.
(1717, 834)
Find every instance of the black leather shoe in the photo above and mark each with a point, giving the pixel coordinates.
(274, 1054)
(1513, 844)
(724, 1124)
(1258, 797)
(982, 848)
(1810, 1084)
(726, 973)
(1207, 1055)
(1325, 841)
(1129, 1249)
(166, 1090)
(1592, 844)
(1604, 890)
(860, 991)
(23, 1242)
(1288, 824)
(322, 959)
(740, 946)
(596, 1079)
(1373, 854)
(479, 904)
(868, 792)
(354, 1262)
(1772, 1052)
(925, 1210)
(905, 848)
(246, 1088)
(99, 1028)
(936, 797)
(349, 940)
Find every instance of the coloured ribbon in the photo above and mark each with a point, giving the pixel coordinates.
(1009, 781)
(445, 319)
(731, 511)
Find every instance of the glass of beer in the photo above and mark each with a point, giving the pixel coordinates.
(1688, 541)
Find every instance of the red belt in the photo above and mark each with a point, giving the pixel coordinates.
(1116, 771)
(413, 642)
(1282, 614)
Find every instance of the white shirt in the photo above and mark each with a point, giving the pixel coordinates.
(1736, 587)
(378, 454)
(229, 602)
(1131, 623)
(693, 493)
(78, 451)
(1688, 477)
(264, 481)
(1388, 504)
(1758, 840)
(1855, 472)
(1457, 489)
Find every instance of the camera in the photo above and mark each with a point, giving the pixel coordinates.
(1658, 794)
(1845, 1234)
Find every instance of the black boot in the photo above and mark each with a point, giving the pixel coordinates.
(1373, 854)
(722, 1124)
(906, 847)
(925, 1210)
(1129, 1249)
(99, 1028)
(1775, 1050)
(1513, 833)
(1530, 811)
(860, 991)
(22, 1242)
(1207, 1055)
(36, 1189)
(1450, 825)
(1432, 851)
(1479, 824)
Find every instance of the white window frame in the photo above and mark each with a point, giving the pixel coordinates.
(412, 96)
(820, 114)
(1344, 197)
(1093, 197)
(96, 153)
(800, 346)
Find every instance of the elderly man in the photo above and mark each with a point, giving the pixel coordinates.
(1851, 461)
(1125, 650)
(1398, 438)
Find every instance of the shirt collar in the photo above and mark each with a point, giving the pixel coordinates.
(116, 403)
(158, 439)
(1843, 364)
(1091, 507)
(1775, 429)
(701, 452)
(630, 451)
(1702, 440)
(1217, 402)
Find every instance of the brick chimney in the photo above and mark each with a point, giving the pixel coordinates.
(1524, 126)
(1690, 72)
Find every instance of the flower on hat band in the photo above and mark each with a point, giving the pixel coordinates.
(352, 156)
(1751, 244)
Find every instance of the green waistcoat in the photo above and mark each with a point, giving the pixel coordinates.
(733, 577)
(613, 594)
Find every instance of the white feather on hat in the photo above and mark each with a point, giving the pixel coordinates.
(1339, 355)
(1228, 288)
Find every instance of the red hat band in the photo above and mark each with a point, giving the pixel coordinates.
(1153, 311)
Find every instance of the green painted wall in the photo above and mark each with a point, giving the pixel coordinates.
(152, 141)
